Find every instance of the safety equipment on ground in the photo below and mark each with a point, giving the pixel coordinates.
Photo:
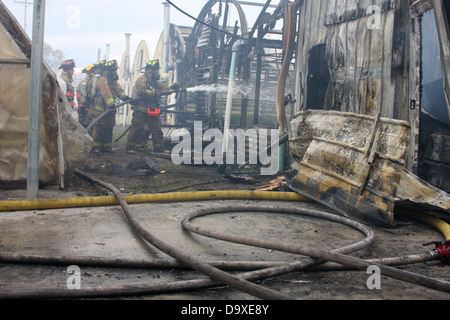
(152, 64)
(67, 64)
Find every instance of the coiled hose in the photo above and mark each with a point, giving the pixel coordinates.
(312, 252)
(217, 276)
(271, 268)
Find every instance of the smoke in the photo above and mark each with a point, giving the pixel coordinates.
(215, 88)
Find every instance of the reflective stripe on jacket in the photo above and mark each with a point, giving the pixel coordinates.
(106, 94)
(149, 91)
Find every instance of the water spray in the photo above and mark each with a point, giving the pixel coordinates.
(216, 88)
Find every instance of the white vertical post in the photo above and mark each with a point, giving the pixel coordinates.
(25, 4)
(166, 40)
(108, 47)
(127, 58)
(229, 104)
(127, 77)
(35, 99)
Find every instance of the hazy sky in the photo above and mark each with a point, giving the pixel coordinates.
(80, 28)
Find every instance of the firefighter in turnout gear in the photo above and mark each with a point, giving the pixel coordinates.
(83, 97)
(104, 89)
(145, 119)
(67, 75)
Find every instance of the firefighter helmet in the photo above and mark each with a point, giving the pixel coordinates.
(152, 64)
(88, 68)
(67, 64)
(111, 65)
(100, 64)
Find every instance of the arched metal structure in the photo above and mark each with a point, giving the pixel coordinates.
(207, 12)
(207, 62)
(208, 51)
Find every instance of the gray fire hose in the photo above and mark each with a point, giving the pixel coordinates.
(113, 108)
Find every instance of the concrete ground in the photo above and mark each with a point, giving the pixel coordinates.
(105, 232)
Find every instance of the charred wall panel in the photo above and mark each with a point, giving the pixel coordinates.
(373, 52)
(358, 43)
(415, 92)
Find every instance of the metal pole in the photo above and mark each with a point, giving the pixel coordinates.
(174, 100)
(249, 3)
(127, 77)
(108, 47)
(166, 37)
(35, 99)
(229, 104)
(25, 4)
(259, 53)
(127, 58)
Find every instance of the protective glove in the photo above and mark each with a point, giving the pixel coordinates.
(149, 93)
(175, 87)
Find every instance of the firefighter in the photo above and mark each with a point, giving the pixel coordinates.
(146, 112)
(67, 75)
(83, 97)
(104, 89)
(96, 71)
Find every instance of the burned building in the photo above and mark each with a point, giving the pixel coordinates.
(387, 58)
(201, 56)
(379, 58)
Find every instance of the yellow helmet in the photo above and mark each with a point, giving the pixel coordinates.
(88, 68)
(111, 65)
(100, 64)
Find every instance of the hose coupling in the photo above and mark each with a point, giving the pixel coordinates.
(443, 249)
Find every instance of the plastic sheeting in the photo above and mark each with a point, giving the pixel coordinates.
(64, 143)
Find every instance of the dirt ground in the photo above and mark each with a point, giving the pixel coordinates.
(104, 232)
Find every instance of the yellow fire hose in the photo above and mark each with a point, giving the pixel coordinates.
(42, 204)
(434, 222)
(13, 205)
